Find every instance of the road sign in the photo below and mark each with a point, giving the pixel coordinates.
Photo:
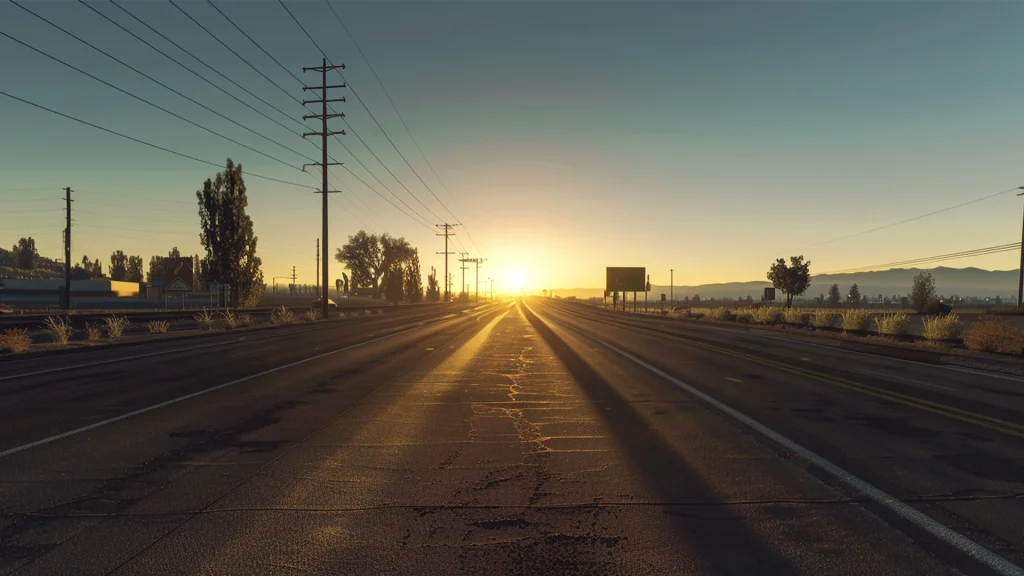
(625, 279)
(769, 294)
(178, 274)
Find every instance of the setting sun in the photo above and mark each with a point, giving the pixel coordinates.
(513, 280)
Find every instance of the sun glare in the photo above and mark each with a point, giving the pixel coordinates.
(515, 280)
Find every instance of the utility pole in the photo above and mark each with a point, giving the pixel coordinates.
(447, 232)
(67, 251)
(318, 266)
(492, 288)
(324, 164)
(671, 286)
(1020, 278)
(295, 287)
(478, 262)
(463, 287)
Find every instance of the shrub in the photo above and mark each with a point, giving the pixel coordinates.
(243, 319)
(994, 334)
(15, 340)
(312, 314)
(230, 320)
(367, 312)
(720, 313)
(116, 325)
(59, 328)
(822, 318)
(158, 326)
(855, 319)
(941, 328)
(764, 315)
(795, 316)
(892, 324)
(92, 332)
(204, 319)
(281, 315)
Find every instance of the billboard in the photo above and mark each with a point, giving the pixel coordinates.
(178, 274)
(625, 279)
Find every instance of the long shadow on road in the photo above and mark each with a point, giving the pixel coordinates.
(728, 547)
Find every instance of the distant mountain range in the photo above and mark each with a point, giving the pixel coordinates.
(895, 282)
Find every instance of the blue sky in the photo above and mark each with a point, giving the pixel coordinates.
(705, 137)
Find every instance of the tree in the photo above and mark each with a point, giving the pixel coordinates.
(156, 265)
(696, 298)
(413, 279)
(433, 291)
(792, 280)
(922, 294)
(118, 265)
(370, 257)
(834, 298)
(228, 236)
(25, 253)
(133, 272)
(854, 295)
(395, 291)
(93, 268)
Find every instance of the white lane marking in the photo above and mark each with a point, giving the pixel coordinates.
(911, 380)
(737, 380)
(806, 359)
(969, 547)
(49, 439)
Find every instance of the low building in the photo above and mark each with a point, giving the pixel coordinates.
(34, 292)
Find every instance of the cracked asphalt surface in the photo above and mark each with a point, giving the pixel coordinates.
(498, 440)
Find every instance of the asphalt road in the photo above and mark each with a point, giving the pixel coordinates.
(528, 437)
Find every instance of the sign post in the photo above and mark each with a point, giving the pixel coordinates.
(178, 277)
(625, 280)
(769, 294)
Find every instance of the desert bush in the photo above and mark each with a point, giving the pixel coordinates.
(282, 315)
(230, 320)
(795, 316)
(743, 316)
(892, 324)
(941, 327)
(243, 319)
(158, 326)
(822, 318)
(720, 313)
(994, 334)
(204, 319)
(312, 314)
(93, 332)
(855, 319)
(15, 340)
(116, 325)
(59, 328)
(764, 315)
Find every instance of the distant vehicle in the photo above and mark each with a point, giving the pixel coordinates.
(330, 303)
(5, 309)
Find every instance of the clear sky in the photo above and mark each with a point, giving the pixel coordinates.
(706, 137)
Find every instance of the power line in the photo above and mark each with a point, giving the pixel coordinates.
(932, 259)
(212, 69)
(204, 79)
(140, 230)
(143, 142)
(331, 108)
(221, 42)
(365, 107)
(400, 119)
(946, 209)
(139, 98)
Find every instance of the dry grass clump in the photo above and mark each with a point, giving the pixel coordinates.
(994, 334)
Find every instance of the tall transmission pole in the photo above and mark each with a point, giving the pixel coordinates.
(447, 232)
(478, 262)
(295, 288)
(323, 134)
(463, 260)
(318, 267)
(1020, 277)
(67, 251)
